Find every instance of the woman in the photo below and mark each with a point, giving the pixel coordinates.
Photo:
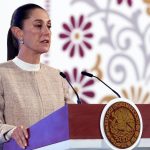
(29, 90)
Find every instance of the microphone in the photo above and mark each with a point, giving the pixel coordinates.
(91, 75)
(64, 76)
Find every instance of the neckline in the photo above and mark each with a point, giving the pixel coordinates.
(42, 66)
(26, 66)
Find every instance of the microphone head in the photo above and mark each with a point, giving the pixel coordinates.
(63, 75)
(86, 74)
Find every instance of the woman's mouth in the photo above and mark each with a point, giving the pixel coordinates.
(45, 41)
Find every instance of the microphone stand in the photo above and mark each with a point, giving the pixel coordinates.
(91, 75)
(64, 76)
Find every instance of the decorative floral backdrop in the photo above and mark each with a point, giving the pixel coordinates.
(110, 39)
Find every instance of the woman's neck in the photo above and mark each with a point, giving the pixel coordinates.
(29, 57)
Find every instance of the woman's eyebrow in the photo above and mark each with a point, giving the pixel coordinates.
(40, 20)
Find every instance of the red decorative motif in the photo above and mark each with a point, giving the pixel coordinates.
(81, 84)
(76, 36)
(128, 1)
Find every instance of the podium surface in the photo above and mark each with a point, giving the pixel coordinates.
(75, 127)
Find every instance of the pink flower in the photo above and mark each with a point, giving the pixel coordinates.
(81, 84)
(76, 36)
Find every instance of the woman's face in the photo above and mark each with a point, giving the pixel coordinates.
(36, 32)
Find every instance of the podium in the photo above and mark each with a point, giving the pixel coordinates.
(75, 127)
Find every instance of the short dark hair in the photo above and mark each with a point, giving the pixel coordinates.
(20, 14)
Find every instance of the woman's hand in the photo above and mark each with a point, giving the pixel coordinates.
(20, 135)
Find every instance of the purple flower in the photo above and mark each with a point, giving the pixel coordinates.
(76, 36)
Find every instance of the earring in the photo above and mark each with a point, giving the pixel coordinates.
(21, 41)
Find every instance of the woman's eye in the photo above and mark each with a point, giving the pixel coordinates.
(49, 26)
(38, 26)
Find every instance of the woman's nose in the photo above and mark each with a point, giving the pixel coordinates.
(46, 30)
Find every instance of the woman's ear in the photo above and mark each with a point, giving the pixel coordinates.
(17, 32)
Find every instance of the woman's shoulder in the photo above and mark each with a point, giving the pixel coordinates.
(5, 68)
(5, 65)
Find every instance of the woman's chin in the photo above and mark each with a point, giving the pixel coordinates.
(44, 51)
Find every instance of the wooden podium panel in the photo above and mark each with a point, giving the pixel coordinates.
(72, 122)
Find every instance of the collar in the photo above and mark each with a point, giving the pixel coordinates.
(26, 66)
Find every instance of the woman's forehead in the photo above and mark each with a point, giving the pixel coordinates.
(39, 19)
(39, 14)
